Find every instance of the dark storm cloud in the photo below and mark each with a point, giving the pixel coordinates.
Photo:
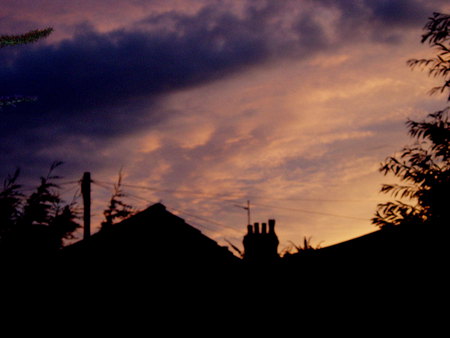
(84, 80)
(95, 82)
(99, 86)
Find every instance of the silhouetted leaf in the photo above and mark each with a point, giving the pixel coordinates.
(426, 164)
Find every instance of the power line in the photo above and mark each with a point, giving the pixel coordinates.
(185, 192)
(101, 185)
(222, 198)
(68, 182)
(198, 217)
(137, 197)
(203, 219)
(237, 195)
(75, 190)
(310, 212)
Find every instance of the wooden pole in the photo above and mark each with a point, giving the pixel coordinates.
(86, 192)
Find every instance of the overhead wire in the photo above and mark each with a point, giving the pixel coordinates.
(178, 191)
(189, 214)
(69, 182)
(198, 217)
(138, 198)
(236, 195)
(231, 198)
(27, 188)
(76, 190)
(309, 211)
(102, 185)
(76, 195)
(228, 198)
(177, 210)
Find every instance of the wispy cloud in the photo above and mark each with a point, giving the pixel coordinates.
(288, 101)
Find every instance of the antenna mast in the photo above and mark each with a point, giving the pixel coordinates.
(248, 212)
(246, 208)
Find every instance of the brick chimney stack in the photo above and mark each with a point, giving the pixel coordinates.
(261, 247)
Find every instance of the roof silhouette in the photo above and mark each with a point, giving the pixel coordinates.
(151, 239)
(408, 250)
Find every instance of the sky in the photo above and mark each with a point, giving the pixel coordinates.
(204, 105)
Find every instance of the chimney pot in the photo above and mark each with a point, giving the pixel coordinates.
(249, 229)
(264, 228)
(271, 225)
(256, 228)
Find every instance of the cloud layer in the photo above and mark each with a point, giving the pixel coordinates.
(106, 84)
(271, 98)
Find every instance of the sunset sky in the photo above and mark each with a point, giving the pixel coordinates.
(206, 104)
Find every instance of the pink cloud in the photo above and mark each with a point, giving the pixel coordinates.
(300, 126)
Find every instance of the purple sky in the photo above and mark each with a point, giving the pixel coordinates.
(289, 104)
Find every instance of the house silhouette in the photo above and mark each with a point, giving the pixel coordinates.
(155, 241)
(151, 240)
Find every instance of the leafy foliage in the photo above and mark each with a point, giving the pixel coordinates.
(29, 37)
(305, 248)
(39, 206)
(13, 40)
(13, 100)
(37, 223)
(117, 210)
(307, 245)
(424, 167)
(236, 249)
(438, 36)
(10, 204)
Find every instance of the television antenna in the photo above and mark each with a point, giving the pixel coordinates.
(246, 208)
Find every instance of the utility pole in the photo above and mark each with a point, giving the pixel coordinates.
(86, 192)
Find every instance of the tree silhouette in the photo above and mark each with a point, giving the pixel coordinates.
(31, 36)
(13, 40)
(424, 167)
(438, 37)
(39, 223)
(10, 204)
(117, 210)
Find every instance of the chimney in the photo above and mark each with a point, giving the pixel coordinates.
(249, 229)
(264, 228)
(271, 226)
(257, 228)
(260, 245)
